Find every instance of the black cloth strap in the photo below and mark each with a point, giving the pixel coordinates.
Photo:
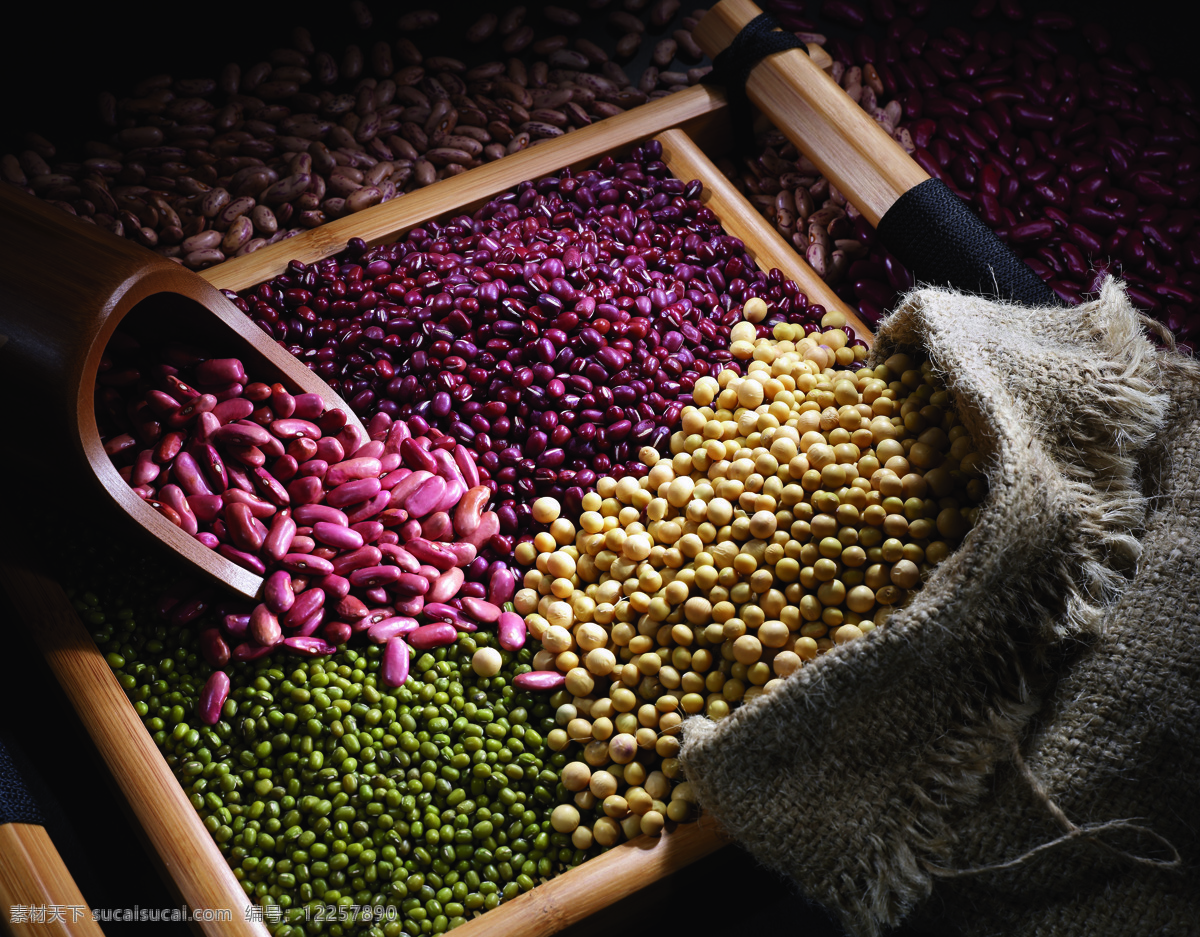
(731, 68)
(16, 803)
(933, 233)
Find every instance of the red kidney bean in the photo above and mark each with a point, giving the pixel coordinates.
(502, 586)
(308, 646)
(511, 631)
(539, 680)
(382, 631)
(395, 664)
(213, 647)
(265, 629)
(428, 637)
(212, 697)
(481, 610)
(306, 604)
(446, 586)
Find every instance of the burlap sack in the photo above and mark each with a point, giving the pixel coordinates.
(1016, 752)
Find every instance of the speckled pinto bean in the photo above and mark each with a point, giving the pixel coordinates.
(223, 167)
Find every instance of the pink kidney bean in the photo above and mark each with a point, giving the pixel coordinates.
(356, 468)
(242, 558)
(289, 496)
(303, 563)
(213, 647)
(428, 637)
(352, 492)
(264, 626)
(446, 586)
(277, 592)
(449, 613)
(481, 610)
(469, 512)
(358, 559)
(187, 474)
(432, 553)
(309, 514)
(539, 680)
(236, 625)
(336, 535)
(489, 526)
(368, 509)
(409, 585)
(511, 630)
(424, 497)
(394, 667)
(502, 586)
(309, 601)
(247, 652)
(387, 628)
(308, 646)
(173, 496)
(437, 526)
(212, 697)
(370, 576)
(279, 538)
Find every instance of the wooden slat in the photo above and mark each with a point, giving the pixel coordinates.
(388, 221)
(739, 218)
(171, 825)
(597, 883)
(824, 123)
(32, 875)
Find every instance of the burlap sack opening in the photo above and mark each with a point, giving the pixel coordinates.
(1016, 751)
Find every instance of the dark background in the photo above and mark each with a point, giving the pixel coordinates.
(54, 60)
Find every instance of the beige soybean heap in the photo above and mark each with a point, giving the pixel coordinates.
(801, 503)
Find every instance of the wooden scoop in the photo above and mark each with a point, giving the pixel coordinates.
(65, 286)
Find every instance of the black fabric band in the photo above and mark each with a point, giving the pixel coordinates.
(16, 803)
(731, 68)
(933, 233)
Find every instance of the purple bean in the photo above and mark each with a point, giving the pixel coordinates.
(539, 680)
(212, 697)
(428, 637)
(394, 668)
(511, 631)
(277, 592)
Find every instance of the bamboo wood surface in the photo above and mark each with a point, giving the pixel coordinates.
(811, 110)
(597, 883)
(171, 825)
(739, 218)
(59, 309)
(467, 190)
(32, 874)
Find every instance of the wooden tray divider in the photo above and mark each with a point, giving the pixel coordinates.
(824, 123)
(740, 218)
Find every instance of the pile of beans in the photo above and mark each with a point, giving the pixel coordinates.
(201, 169)
(423, 805)
(554, 332)
(802, 502)
(364, 535)
(1085, 164)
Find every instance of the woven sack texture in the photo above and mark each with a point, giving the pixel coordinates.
(1018, 750)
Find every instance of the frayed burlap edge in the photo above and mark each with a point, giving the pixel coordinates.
(1061, 402)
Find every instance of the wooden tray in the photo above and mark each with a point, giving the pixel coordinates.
(186, 851)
